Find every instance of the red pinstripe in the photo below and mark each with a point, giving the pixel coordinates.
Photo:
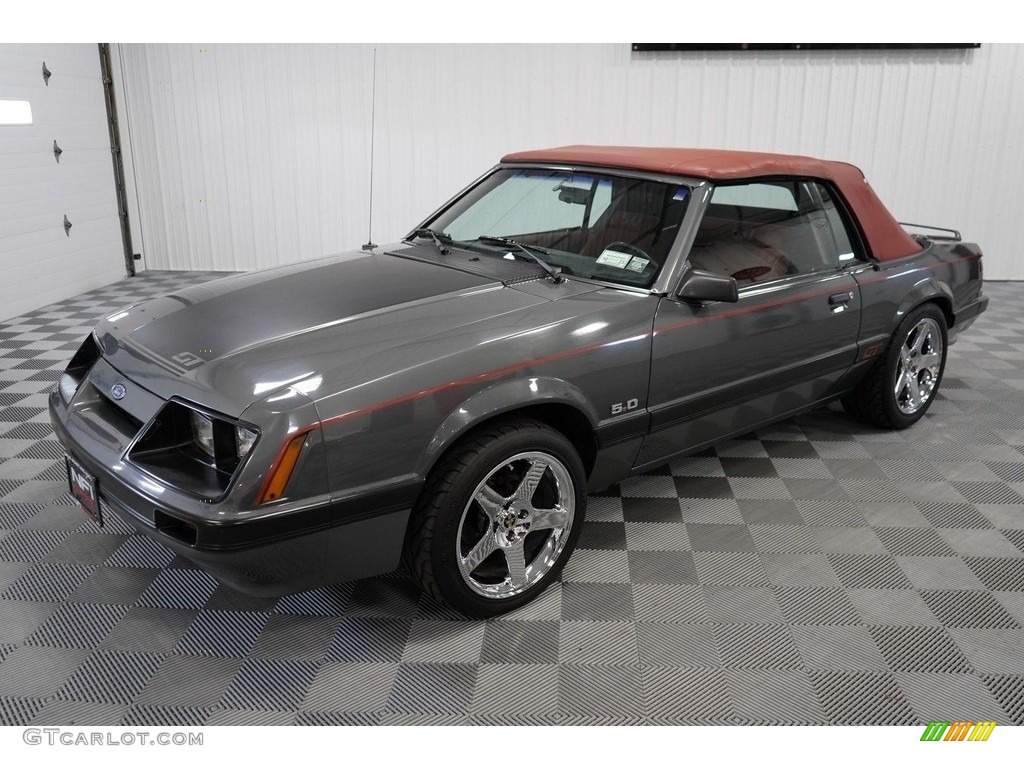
(496, 372)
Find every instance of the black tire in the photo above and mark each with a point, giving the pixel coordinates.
(876, 401)
(450, 515)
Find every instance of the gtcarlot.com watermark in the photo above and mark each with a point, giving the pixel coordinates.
(70, 737)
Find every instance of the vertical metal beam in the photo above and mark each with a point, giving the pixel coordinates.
(115, 153)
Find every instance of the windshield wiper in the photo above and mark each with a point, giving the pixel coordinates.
(436, 237)
(553, 272)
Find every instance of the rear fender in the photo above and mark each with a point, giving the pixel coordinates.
(927, 289)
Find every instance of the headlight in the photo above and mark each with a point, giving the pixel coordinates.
(68, 386)
(202, 433)
(227, 444)
(192, 449)
(245, 438)
(79, 366)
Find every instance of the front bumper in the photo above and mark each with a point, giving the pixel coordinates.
(324, 541)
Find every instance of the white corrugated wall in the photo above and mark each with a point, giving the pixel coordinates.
(249, 156)
(39, 263)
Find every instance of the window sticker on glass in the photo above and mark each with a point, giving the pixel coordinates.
(681, 193)
(637, 264)
(613, 258)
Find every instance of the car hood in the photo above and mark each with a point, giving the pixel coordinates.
(233, 341)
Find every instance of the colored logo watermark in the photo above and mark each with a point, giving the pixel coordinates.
(958, 730)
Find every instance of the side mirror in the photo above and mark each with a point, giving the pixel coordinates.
(699, 285)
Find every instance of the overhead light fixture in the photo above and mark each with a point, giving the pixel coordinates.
(13, 112)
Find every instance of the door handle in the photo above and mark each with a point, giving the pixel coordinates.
(838, 301)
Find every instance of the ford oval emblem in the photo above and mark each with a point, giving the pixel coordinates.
(117, 391)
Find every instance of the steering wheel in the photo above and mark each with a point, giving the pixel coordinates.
(635, 250)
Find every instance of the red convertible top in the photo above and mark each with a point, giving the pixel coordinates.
(886, 239)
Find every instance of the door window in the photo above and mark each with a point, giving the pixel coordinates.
(768, 230)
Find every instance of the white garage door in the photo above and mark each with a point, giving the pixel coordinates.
(39, 262)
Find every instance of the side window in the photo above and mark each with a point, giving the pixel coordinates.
(776, 197)
(843, 243)
(766, 231)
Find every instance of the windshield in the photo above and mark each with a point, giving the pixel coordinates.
(612, 228)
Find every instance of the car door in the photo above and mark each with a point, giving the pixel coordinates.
(721, 369)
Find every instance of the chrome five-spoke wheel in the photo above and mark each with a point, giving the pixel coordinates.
(499, 516)
(919, 366)
(516, 524)
(899, 387)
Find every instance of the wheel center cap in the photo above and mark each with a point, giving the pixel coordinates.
(512, 526)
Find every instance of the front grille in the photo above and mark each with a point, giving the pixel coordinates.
(123, 421)
(109, 423)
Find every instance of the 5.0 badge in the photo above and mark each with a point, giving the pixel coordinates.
(629, 405)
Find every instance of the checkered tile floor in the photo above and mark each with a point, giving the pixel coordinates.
(816, 572)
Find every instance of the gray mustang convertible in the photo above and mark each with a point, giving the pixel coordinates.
(574, 316)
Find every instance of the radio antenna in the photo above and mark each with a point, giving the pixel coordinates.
(370, 245)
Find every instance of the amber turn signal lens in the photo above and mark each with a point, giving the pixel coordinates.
(277, 479)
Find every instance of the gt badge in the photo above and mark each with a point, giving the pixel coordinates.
(872, 350)
(187, 359)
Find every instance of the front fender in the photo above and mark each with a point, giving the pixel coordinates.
(502, 397)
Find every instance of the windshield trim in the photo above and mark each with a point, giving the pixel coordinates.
(666, 178)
